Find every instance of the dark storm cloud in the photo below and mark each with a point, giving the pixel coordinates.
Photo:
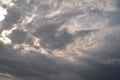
(24, 70)
(6, 52)
(111, 47)
(100, 71)
(35, 67)
(30, 67)
(107, 64)
(14, 64)
(39, 66)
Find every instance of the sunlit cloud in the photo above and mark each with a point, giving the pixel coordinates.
(4, 36)
(3, 12)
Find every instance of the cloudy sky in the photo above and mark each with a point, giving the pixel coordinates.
(59, 39)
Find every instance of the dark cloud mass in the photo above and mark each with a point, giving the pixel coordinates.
(18, 36)
(11, 18)
(49, 38)
(59, 40)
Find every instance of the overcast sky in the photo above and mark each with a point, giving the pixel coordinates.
(59, 39)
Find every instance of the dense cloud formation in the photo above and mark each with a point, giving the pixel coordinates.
(59, 39)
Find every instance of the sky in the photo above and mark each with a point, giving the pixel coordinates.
(59, 39)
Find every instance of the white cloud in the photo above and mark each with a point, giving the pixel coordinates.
(3, 12)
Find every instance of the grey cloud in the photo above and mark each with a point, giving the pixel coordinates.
(102, 62)
(111, 46)
(52, 39)
(118, 4)
(99, 70)
(114, 18)
(108, 60)
(106, 64)
(23, 67)
(84, 33)
(39, 66)
(47, 34)
(6, 52)
(12, 17)
(66, 75)
(18, 36)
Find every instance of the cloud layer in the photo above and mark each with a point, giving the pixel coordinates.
(59, 39)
